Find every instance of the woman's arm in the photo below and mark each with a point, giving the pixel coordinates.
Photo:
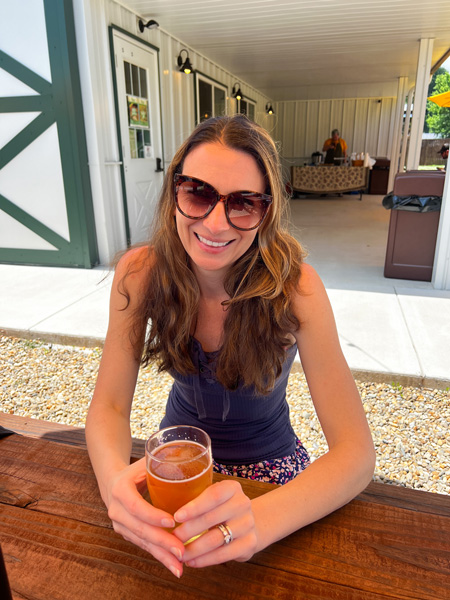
(108, 433)
(346, 469)
(327, 145)
(329, 482)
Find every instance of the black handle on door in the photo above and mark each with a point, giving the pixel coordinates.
(158, 166)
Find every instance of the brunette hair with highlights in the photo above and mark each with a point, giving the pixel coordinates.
(260, 283)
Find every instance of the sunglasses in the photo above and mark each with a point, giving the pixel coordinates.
(195, 199)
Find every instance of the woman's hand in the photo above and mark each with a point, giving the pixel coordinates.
(140, 522)
(223, 502)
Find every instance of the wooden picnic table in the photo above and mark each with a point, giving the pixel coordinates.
(58, 543)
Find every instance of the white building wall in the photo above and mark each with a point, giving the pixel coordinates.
(302, 126)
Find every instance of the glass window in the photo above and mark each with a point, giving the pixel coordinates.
(219, 102)
(205, 100)
(247, 107)
(211, 98)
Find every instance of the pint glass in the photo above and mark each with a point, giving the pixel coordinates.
(179, 466)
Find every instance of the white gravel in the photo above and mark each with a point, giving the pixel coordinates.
(409, 425)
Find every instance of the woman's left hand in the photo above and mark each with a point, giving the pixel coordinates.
(223, 502)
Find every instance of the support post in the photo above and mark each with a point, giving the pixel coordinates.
(420, 102)
(397, 129)
(441, 267)
(405, 139)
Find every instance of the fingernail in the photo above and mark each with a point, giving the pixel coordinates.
(180, 516)
(177, 553)
(168, 523)
(175, 572)
(190, 563)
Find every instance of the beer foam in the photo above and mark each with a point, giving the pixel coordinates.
(183, 460)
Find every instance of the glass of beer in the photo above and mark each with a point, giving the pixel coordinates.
(179, 466)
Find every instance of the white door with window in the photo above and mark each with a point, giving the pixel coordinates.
(140, 132)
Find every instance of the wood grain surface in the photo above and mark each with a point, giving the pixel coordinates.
(58, 542)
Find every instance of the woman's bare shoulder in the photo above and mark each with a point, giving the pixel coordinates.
(136, 264)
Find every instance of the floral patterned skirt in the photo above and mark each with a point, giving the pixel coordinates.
(279, 470)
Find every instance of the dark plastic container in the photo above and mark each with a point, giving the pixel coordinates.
(412, 228)
(379, 175)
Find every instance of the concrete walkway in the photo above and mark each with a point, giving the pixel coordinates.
(390, 330)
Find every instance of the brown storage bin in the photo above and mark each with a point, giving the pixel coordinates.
(379, 176)
(412, 235)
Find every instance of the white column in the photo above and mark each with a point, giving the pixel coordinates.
(441, 267)
(397, 129)
(420, 102)
(406, 125)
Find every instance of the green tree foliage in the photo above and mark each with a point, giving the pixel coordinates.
(438, 118)
(430, 93)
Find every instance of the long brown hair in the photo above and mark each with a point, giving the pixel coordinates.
(259, 284)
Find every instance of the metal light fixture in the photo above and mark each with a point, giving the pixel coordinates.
(185, 67)
(152, 24)
(269, 109)
(236, 93)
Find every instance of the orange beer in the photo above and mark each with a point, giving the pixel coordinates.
(180, 469)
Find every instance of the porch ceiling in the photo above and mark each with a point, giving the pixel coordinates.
(281, 46)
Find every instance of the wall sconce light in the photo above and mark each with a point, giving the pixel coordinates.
(236, 93)
(269, 109)
(152, 24)
(185, 67)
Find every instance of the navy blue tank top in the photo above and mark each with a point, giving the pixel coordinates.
(244, 427)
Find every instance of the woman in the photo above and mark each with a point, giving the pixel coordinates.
(335, 148)
(228, 301)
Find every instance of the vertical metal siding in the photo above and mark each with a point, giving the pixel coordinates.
(303, 126)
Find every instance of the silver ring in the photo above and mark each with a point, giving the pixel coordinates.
(227, 533)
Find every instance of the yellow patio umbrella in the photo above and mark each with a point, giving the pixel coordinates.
(441, 99)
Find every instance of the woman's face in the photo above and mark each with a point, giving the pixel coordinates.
(212, 243)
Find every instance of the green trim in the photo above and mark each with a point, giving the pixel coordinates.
(71, 128)
(17, 104)
(24, 74)
(126, 217)
(54, 258)
(33, 224)
(133, 36)
(25, 138)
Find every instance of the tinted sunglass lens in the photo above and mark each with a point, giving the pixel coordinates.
(195, 198)
(245, 211)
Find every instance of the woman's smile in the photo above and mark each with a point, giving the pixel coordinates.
(212, 243)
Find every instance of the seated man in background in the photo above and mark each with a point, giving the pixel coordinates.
(335, 147)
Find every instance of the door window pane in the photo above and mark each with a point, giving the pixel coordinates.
(140, 143)
(127, 77)
(205, 100)
(135, 80)
(143, 82)
(251, 111)
(243, 107)
(219, 102)
(138, 106)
